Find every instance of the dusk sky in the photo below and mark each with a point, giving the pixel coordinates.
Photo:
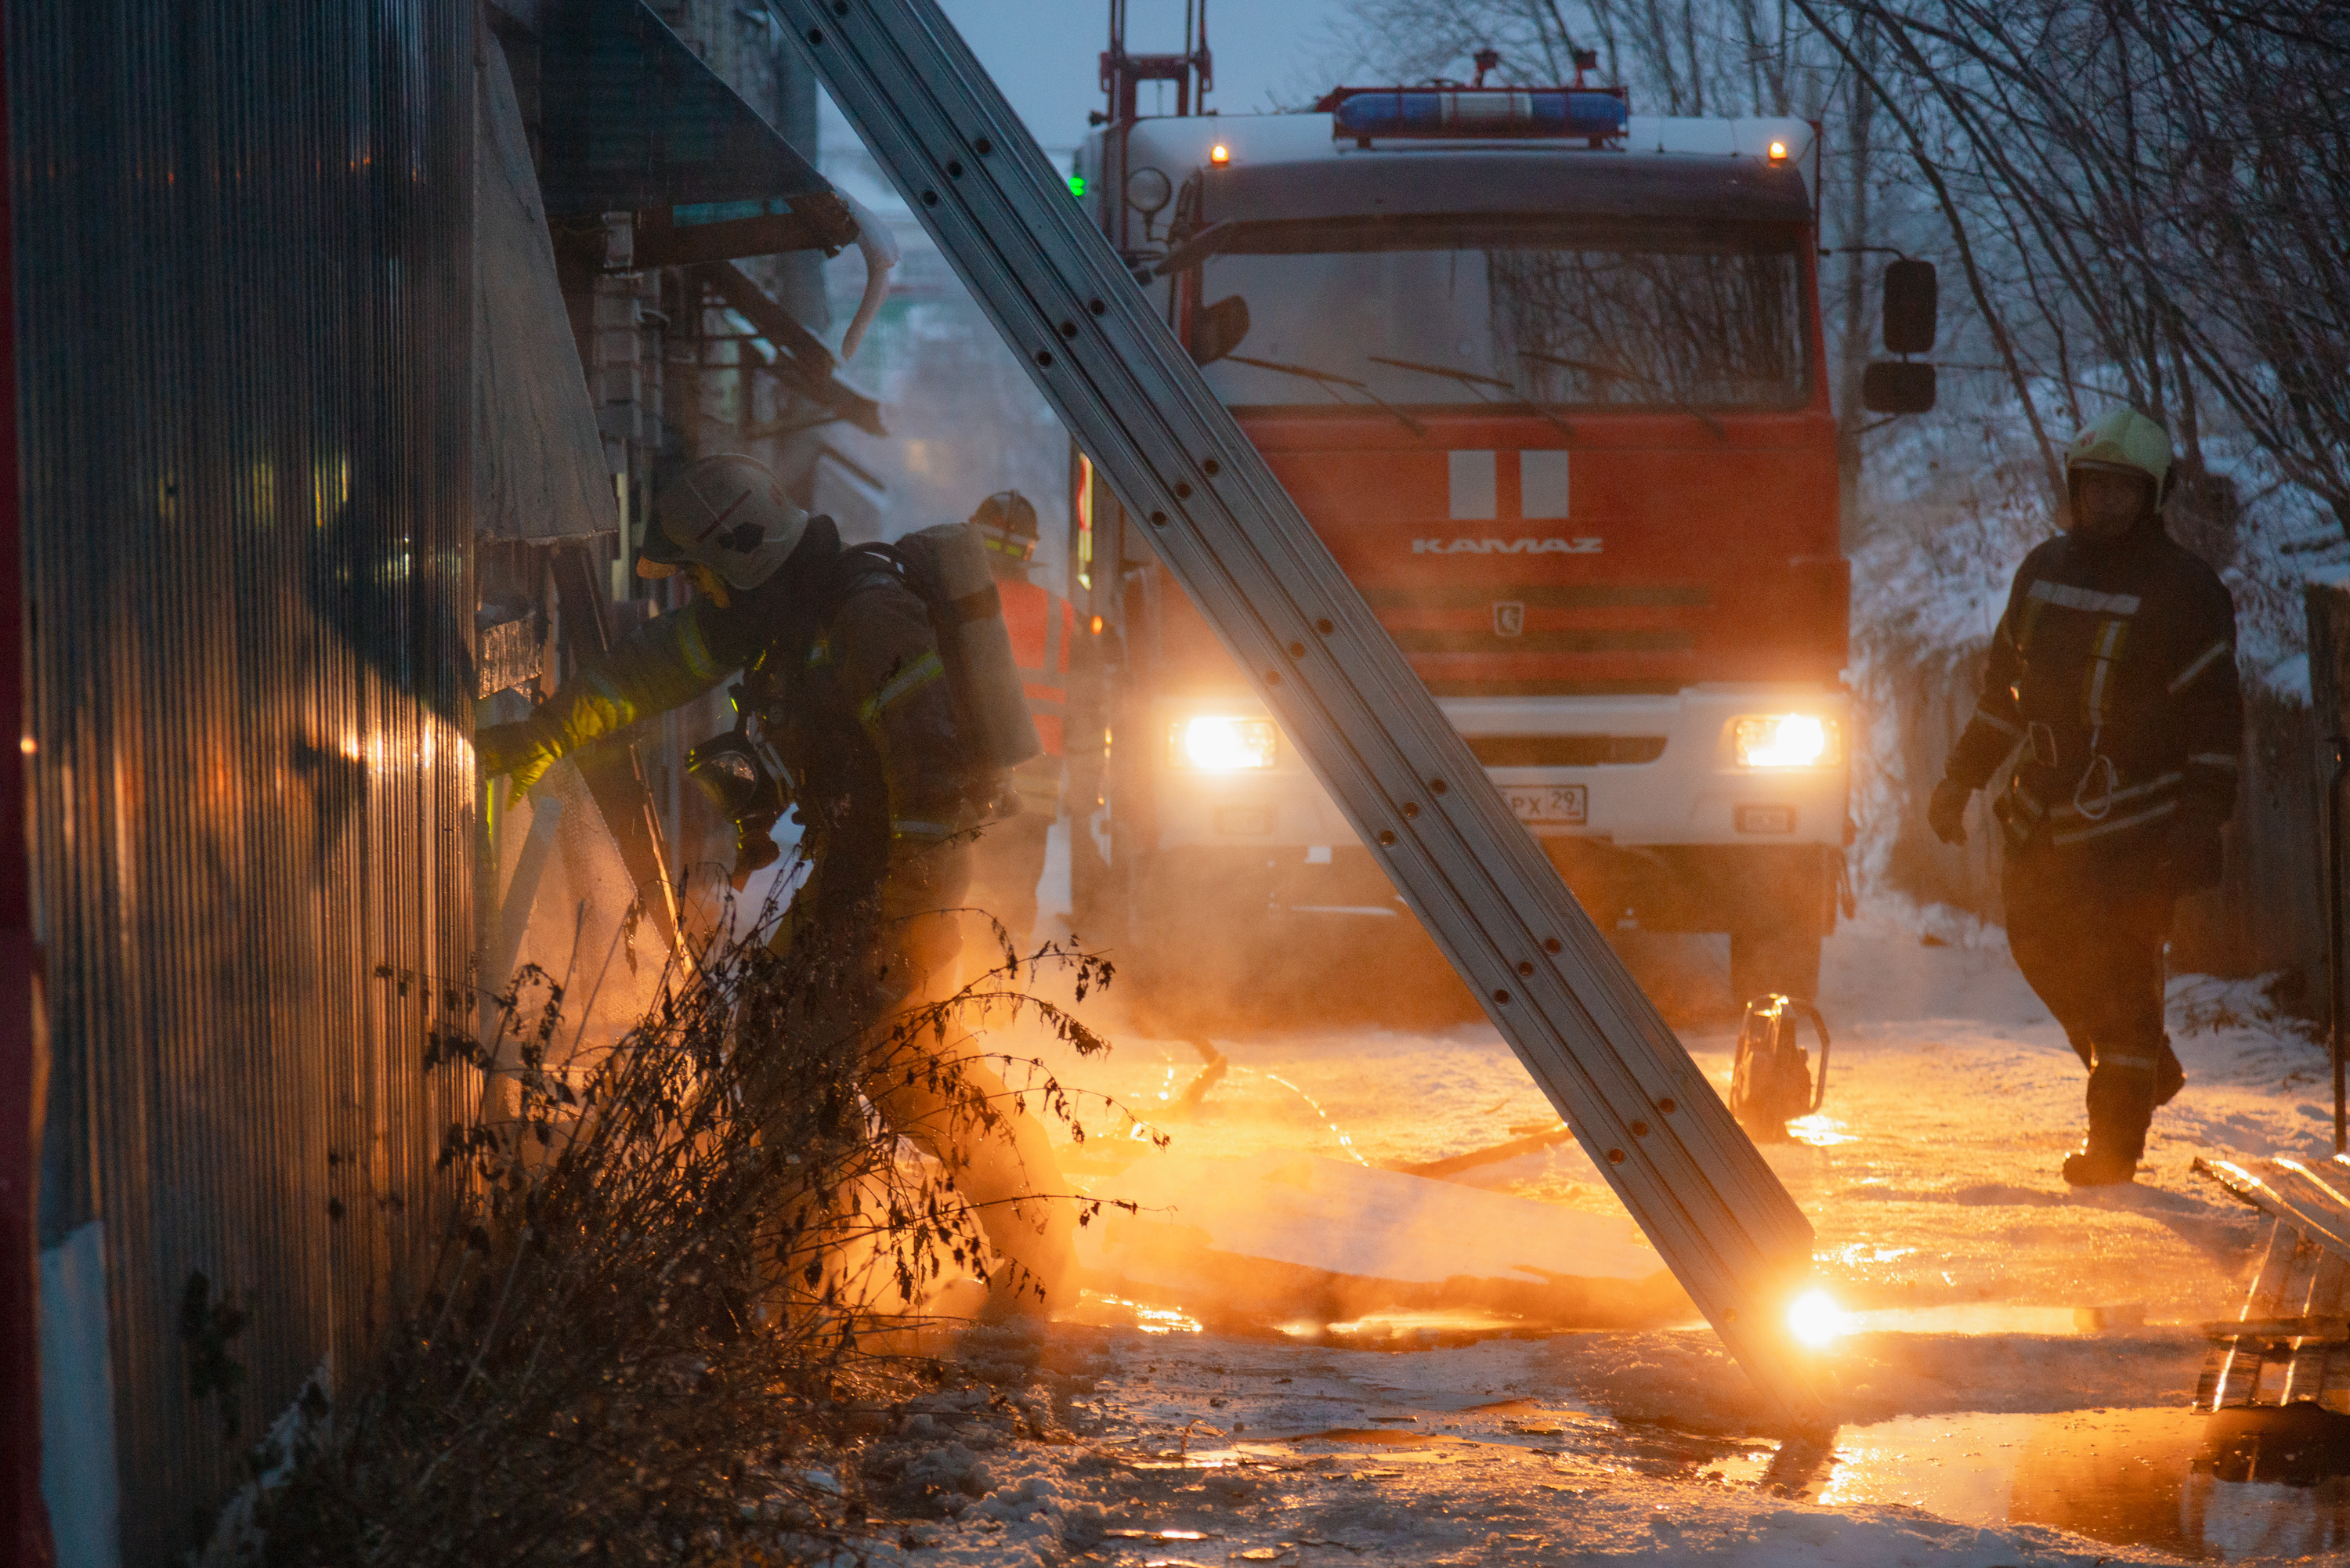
(1045, 54)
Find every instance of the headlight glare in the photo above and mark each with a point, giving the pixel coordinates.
(1216, 744)
(1788, 741)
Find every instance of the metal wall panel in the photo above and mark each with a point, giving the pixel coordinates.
(634, 120)
(23, 1038)
(538, 458)
(243, 298)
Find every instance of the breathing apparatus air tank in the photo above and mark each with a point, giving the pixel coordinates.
(947, 565)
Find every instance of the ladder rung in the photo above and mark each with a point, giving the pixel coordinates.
(2324, 1329)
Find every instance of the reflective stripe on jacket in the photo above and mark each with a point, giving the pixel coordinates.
(849, 686)
(2112, 680)
(1043, 629)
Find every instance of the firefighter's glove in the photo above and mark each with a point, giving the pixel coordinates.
(521, 752)
(998, 797)
(2193, 857)
(756, 849)
(1946, 814)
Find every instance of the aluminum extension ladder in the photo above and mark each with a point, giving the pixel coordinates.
(2291, 1341)
(1326, 667)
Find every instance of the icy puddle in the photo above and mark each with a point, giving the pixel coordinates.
(2162, 1479)
(1992, 1317)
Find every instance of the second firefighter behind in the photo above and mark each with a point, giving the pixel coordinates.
(1009, 860)
(2112, 682)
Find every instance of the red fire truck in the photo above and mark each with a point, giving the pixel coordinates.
(1548, 376)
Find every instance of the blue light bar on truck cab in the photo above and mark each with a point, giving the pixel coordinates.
(1478, 112)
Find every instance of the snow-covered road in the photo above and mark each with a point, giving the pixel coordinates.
(2015, 1381)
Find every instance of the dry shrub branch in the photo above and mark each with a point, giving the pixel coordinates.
(687, 1271)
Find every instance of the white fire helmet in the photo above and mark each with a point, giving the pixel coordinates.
(727, 512)
(2127, 441)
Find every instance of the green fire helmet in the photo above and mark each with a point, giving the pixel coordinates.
(727, 512)
(2124, 439)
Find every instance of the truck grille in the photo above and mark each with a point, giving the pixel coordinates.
(1412, 639)
(1542, 595)
(1564, 751)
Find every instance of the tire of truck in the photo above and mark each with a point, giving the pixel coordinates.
(1763, 959)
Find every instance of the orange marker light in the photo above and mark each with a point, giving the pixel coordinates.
(1097, 626)
(1778, 152)
(1219, 153)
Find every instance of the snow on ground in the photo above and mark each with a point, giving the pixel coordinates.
(1931, 1174)
(2014, 1385)
(1178, 1449)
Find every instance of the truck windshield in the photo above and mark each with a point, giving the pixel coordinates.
(1558, 318)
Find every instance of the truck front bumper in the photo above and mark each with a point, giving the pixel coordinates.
(1679, 781)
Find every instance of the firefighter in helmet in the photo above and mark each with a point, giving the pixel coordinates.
(844, 675)
(2112, 682)
(1010, 861)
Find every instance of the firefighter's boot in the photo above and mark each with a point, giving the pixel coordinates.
(2122, 1087)
(2170, 1077)
(2099, 1165)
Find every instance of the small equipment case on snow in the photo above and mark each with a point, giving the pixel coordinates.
(1770, 1082)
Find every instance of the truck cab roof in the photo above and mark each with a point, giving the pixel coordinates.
(1485, 182)
(1715, 165)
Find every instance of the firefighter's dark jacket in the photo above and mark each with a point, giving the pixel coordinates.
(845, 673)
(2113, 670)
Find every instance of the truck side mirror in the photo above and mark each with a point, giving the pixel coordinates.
(1217, 329)
(1897, 387)
(1909, 307)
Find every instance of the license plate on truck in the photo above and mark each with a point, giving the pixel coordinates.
(1548, 803)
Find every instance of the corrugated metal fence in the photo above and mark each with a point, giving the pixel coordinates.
(243, 301)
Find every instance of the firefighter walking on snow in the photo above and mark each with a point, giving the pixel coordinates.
(2112, 680)
(1010, 859)
(844, 675)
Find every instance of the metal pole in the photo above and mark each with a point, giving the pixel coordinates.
(24, 1036)
(1324, 664)
(2333, 962)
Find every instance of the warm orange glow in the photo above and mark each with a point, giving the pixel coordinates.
(1214, 743)
(1778, 152)
(1086, 521)
(1788, 741)
(1820, 1130)
(1149, 1319)
(1097, 626)
(1219, 153)
(1815, 1320)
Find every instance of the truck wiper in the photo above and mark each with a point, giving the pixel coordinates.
(1192, 251)
(1328, 380)
(1633, 375)
(1473, 381)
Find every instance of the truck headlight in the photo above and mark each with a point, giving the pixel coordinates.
(1788, 741)
(1214, 743)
